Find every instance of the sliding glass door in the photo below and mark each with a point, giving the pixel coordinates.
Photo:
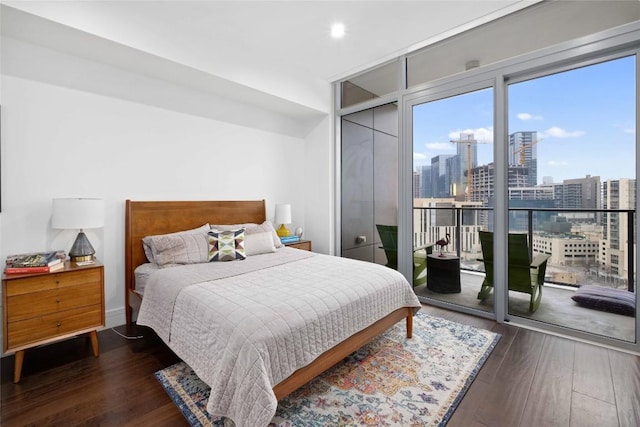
(566, 168)
(572, 188)
(452, 195)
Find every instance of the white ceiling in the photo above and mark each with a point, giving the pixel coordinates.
(282, 48)
(273, 61)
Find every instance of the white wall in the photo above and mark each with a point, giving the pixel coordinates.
(58, 141)
(320, 188)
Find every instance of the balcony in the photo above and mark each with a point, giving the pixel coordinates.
(579, 255)
(556, 308)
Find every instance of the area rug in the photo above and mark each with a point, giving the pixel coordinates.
(392, 381)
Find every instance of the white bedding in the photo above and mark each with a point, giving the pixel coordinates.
(142, 274)
(244, 326)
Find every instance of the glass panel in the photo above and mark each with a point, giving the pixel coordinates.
(572, 194)
(453, 160)
(370, 85)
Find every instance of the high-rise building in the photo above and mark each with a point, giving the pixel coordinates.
(523, 152)
(461, 164)
(538, 197)
(614, 251)
(439, 179)
(483, 181)
(455, 186)
(426, 186)
(483, 186)
(580, 193)
(416, 184)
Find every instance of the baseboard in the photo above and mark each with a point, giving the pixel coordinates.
(115, 317)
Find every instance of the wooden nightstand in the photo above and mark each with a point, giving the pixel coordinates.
(305, 245)
(40, 308)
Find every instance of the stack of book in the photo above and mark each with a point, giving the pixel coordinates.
(35, 262)
(289, 239)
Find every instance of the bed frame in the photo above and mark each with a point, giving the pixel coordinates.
(148, 218)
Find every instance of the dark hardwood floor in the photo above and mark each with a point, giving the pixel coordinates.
(530, 379)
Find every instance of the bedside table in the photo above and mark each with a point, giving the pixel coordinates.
(41, 308)
(305, 245)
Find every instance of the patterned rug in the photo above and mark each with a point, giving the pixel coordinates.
(392, 381)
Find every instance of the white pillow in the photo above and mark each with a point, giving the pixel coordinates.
(263, 228)
(258, 243)
(227, 227)
(183, 247)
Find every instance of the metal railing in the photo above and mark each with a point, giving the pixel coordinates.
(543, 224)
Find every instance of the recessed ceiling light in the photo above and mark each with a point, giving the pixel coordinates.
(337, 30)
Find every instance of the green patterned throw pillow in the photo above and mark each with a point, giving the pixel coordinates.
(226, 245)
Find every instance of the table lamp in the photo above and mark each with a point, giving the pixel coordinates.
(283, 217)
(79, 214)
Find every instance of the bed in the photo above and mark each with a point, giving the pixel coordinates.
(281, 318)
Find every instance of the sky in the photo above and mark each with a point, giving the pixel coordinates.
(585, 119)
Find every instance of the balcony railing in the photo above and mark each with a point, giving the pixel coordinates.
(581, 243)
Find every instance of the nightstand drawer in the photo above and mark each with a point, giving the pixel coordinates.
(305, 245)
(52, 325)
(40, 308)
(53, 281)
(25, 306)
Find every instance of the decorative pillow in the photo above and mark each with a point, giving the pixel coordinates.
(153, 245)
(606, 299)
(252, 228)
(258, 243)
(226, 245)
(168, 250)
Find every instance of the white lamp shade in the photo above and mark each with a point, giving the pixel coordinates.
(283, 214)
(77, 213)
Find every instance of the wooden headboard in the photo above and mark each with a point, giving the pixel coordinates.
(148, 218)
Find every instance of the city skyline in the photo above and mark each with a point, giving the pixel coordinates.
(584, 118)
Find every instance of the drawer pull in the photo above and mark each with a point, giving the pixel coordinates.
(59, 324)
(58, 300)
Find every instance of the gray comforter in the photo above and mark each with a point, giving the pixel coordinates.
(244, 326)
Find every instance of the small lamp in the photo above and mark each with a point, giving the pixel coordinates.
(283, 216)
(78, 214)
